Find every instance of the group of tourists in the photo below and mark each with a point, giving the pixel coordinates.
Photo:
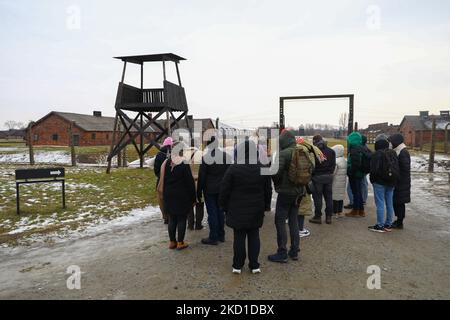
(238, 195)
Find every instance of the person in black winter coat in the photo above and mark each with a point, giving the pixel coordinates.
(161, 156)
(179, 198)
(402, 191)
(323, 182)
(214, 165)
(245, 195)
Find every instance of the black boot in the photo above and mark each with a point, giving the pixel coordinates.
(316, 220)
(397, 225)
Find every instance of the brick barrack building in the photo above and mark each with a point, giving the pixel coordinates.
(417, 129)
(88, 130)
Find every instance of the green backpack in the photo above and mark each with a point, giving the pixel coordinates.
(301, 166)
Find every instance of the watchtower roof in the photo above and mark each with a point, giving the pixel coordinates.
(151, 58)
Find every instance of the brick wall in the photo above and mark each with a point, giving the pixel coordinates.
(408, 133)
(55, 125)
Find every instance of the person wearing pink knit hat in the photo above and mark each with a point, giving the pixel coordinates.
(168, 142)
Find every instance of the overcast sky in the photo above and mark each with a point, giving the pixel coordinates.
(242, 56)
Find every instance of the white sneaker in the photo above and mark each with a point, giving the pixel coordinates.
(236, 271)
(255, 271)
(304, 233)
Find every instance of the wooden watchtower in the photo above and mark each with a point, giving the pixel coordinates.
(169, 102)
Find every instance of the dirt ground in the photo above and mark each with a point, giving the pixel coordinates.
(134, 263)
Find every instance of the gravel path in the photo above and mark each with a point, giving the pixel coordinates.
(134, 263)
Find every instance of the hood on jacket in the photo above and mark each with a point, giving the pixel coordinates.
(339, 150)
(354, 139)
(287, 140)
(396, 140)
(381, 145)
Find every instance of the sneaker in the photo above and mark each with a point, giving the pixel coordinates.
(349, 206)
(316, 220)
(278, 257)
(388, 227)
(255, 271)
(377, 228)
(182, 245)
(210, 242)
(304, 233)
(237, 271)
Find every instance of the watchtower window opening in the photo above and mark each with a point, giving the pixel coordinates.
(55, 137)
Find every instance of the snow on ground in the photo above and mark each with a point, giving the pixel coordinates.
(92, 228)
(148, 162)
(419, 163)
(59, 157)
(9, 149)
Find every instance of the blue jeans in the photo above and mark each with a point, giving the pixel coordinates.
(364, 191)
(384, 198)
(216, 217)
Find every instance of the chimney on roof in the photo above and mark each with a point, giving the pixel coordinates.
(445, 114)
(424, 114)
(97, 114)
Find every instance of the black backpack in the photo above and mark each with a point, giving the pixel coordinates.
(389, 169)
(365, 162)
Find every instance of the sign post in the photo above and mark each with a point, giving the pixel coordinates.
(50, 175)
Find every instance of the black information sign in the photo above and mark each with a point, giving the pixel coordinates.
(48, 175)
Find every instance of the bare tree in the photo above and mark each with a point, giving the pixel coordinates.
(343, 119)
(11, 125)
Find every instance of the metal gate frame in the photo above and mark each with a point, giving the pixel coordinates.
(351, 98)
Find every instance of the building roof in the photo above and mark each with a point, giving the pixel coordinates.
(151, 58)
(415, 121)
(89, 122)
(419, 123)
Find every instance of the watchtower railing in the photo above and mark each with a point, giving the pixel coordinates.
(172, 96)
(153, 96)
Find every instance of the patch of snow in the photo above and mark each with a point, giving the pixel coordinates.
(419, 163)
(59, 157)
(9, 149)
(148, 162)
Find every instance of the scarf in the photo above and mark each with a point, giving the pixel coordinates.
(399, 148)
(312, 148)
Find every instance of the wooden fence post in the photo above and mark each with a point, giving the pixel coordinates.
(30, 142)
(432, 148)
(119, 156)
(73, 156)
(446, 138)
(124, 157)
